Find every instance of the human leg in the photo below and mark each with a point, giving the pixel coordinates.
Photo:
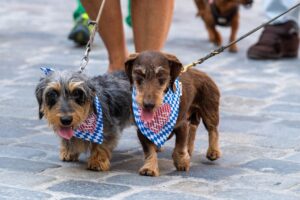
(110, 30)
(151, 22)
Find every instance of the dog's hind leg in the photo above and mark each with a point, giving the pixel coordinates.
(100, 157)
(150, 167)
(234, 29)
(181, 155)
(194, 123)
(211, 121)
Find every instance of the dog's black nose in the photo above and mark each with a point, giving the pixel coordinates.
(66, 120)
(149, 106)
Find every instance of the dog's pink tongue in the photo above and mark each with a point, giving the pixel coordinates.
(66, 133)
(147, 115)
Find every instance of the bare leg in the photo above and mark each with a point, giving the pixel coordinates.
(151, 22)
(110, 29)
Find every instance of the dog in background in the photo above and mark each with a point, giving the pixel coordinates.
(152, 74)
(223, 13)
(66, 99)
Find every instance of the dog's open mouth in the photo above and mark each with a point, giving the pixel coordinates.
(65, 132)
(147, 115)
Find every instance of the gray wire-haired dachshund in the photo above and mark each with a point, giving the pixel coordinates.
(67, 101)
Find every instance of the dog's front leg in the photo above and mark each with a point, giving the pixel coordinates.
(150, 167)
(234, 29)
(100, 157)
(68, 151)
(180, 155)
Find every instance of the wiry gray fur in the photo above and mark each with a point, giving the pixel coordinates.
(113, 91)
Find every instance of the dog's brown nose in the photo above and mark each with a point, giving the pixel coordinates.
(66, 120)
(148, 106)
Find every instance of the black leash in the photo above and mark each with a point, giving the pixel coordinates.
(222, 48)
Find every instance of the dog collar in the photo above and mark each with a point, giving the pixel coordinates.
(223, 19)
(92, 128)
(161, 126)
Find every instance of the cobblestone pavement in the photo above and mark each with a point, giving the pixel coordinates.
(260, 116)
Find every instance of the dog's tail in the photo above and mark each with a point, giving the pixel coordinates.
(201, 5)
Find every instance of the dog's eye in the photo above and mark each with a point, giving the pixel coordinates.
(51, 98)
(139, 80)
(161, 81)
(78, 96)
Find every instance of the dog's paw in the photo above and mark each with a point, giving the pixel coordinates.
(181, 161)
(68, 157)
(213, 154)
(233, 49)
(98, 165)
(146, 171)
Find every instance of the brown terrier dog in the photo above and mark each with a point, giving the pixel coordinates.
(152, 74)
(223, 13)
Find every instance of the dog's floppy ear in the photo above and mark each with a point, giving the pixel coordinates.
(39, 90)
(129, 64)
(175, 67)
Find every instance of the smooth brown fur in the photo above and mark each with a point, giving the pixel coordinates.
(199, 100)
(224, 7)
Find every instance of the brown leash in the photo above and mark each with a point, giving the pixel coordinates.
(222, 48)
(85, 59)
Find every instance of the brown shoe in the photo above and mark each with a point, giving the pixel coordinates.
(276, 41)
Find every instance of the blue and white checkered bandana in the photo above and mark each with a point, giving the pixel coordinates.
(92, 128)
(161, 126)
(47, 70)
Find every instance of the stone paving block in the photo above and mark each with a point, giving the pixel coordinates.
(234, 155)
(137, 180)
(15, 164)
(119, 157)
(294, 158)
(251, 90)
(195, 187)
(294, 109)
(266, 181)
(18, 112)
(76, 198)
(20, 152)
(47, 139)
(246, 105)
(16, 127)
(89, 189)
(209, 171)
(248, 194)
(76, 171)
(40, 146)
(16, 193)
(273, 166)
(133, 166)
(152, 194)
(240, 124)
(290, 98)
(24, 180)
